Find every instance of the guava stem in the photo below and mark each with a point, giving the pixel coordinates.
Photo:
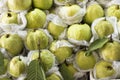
(117, 7)
(109, 67)
(39, 50)
(66, 63)
(7, 35)
(11, 77)
(34, 30)
(111, 40)
(39, 58)
(84, 48)
(19, 58)
(9, 15)
(24, 52)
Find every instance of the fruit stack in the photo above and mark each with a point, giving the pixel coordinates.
(59, 39)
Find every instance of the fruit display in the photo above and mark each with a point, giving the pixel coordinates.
(59, 39)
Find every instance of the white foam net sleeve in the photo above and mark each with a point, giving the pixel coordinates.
(3, 6)
(6, 53)
(116, 65)
(112, 20)
(52, 70)
(63, 43)
(55, 70)
(76, 18)
(21, 77)
(81, 2)
(91, 2)
(78, 42)
(79, 75)
(63, 35)
(4, 75)
(92, 77)
(104, 3)
(56, 20)
(58, 73)
(70, 59)
(49, 36)
(113, 2)
(22, 34)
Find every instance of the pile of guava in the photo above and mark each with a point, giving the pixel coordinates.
(69, 39)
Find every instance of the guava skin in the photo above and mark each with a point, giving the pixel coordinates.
(85, 62)
(110, 51)
(104, 28)
(79, 32)
(47, 58)
(61, 53)
(8, 40)
(104, 69)
(10, 18)
(19, 4)
(35, 19)
(16, 67)
(34, 37)
(55, 30)
(113, 10)
(41, 4)
(53, 77)
(91, 15)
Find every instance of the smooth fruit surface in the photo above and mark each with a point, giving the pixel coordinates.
(61, 53)
(79, 32)
(55, 30)
(104, 69)
(53, 77)
(16, 67)
(42, 4)
(91, 13)
(19, 4)
(9, 17)
(12, 43)
(85, 62)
